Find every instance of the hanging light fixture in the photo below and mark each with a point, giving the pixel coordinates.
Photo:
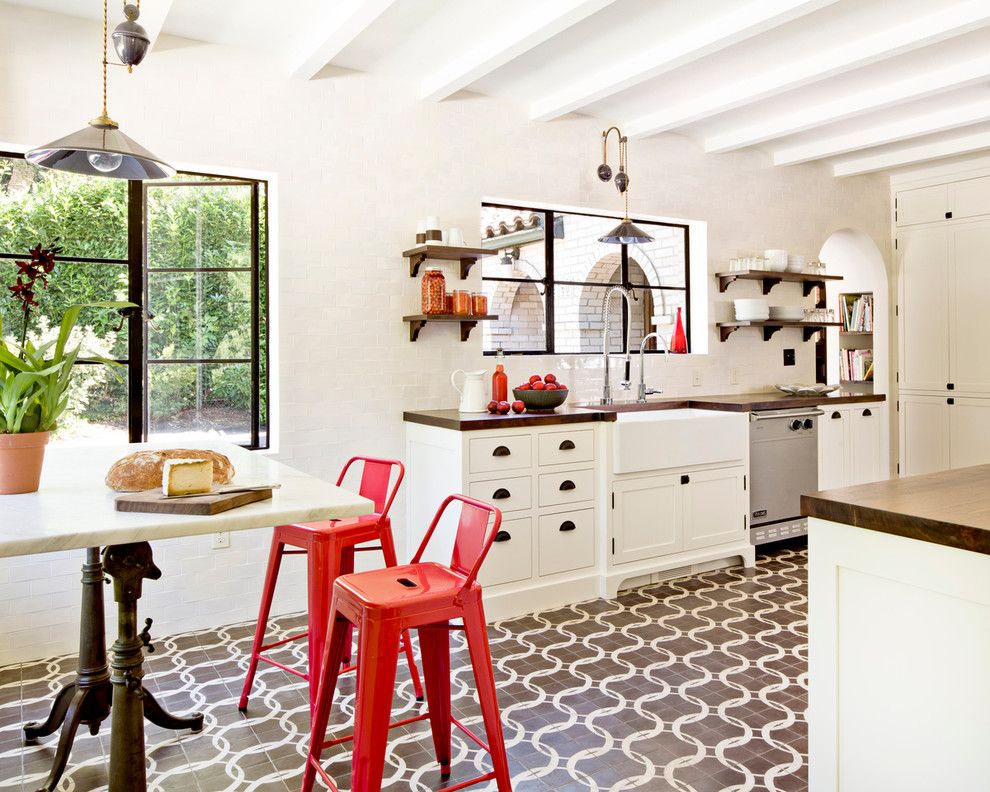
(100, 148)
(626, 232)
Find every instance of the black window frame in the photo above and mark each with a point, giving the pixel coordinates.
(549, 281)
(138, 420)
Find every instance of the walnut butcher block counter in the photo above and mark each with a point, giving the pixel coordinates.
(899, 634)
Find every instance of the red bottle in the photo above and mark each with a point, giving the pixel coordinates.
(678, 342)
(500, 384)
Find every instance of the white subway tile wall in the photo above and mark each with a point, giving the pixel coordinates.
(356, 160)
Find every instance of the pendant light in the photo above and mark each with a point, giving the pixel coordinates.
(100, 148)
(626, 232)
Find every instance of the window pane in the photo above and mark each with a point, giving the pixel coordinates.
(579, 256)
(199, 315)
(97, 411)
(201, 226)
(660, 262)
(518, 235)
(663, 310)
(86, 217)
(192, 401)
(71, 283)
(578, 311)
(521, 310)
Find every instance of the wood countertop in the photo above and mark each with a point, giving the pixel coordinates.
(741, 402)
(950, 508)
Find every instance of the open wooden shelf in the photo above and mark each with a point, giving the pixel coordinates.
(771, 326)
(418, 321)
(467, 256)
(771, 279)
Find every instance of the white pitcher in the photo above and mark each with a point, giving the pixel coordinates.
(473, 397)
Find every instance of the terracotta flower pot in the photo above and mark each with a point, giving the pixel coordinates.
(21, 458)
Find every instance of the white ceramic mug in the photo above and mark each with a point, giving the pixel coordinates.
(454, 237)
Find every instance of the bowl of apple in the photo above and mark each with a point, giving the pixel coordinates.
(541, 393)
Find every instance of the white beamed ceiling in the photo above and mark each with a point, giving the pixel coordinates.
(862, 85)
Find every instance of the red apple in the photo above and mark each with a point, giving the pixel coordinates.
(539, 386)
(493, 407)
(551, 386)
(524, 386)
(503, 408)
(518, 407)
(535, 378)
(561, 386)
(550, 378)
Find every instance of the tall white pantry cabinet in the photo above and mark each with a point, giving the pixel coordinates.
(943, 246)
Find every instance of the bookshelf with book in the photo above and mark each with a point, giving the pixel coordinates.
(856, 341)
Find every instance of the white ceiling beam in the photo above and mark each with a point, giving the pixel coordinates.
(344, 23)
(925, 152)
(152, 18)
(878, 97)
(739, 24)
(884, 134)
(508, 42)
(917, 32)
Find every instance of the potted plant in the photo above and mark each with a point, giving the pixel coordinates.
(34, 379)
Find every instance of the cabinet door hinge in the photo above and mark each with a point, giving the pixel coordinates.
(897, 376)
(897, 310)
(895, 243)
(613, 545)
(898, 468)
(744, 481)
(898, 406)
(744, 523)
(613, 500)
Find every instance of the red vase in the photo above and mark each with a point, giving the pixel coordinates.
(678, 342)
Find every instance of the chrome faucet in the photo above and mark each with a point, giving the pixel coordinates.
(643, 390)
(625, 383)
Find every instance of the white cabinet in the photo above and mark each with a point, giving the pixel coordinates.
(924, 308)
(969, 309)
(714, 506)
(969, 432)
(851, 447)
(924, 425)
(923, 205)
(647, 520)
(969, 198)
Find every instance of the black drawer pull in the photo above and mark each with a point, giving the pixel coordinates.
(566, 485)
(501, 451)
(685, 479)
(950, 386)
(950, 401)
(503, 536)
(867, 413)
(567, 445)
(567, 525)
(836, 415)
(501, 494)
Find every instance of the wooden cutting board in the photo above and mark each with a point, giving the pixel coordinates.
(153, 501)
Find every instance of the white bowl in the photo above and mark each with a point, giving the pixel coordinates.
(750, 302)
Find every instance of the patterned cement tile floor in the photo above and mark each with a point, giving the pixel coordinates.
(696, 684)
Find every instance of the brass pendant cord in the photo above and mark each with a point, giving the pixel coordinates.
(104, 48)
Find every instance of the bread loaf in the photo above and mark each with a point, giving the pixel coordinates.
(142, 470)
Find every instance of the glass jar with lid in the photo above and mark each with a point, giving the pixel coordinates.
(462, 302)
(479, 304)
(434, 291)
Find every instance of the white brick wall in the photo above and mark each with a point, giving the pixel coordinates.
(356, 161)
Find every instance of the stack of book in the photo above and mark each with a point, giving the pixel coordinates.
(857, 313)
(856, 365)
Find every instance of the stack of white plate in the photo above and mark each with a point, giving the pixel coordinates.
(755, 310)
(776, 260)
(795, 263)
(787, 313)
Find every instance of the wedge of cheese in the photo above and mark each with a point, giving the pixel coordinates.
(187, 476)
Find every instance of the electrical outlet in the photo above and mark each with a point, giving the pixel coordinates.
(696, 380)
(789, 358)
(221, 540)
(733, 376)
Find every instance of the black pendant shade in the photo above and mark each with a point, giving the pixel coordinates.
(626, 233)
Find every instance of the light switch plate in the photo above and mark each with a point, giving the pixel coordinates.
(696, 380)
(221, 540)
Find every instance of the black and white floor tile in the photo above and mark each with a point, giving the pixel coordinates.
(696, 684)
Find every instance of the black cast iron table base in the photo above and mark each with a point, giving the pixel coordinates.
(98, 685)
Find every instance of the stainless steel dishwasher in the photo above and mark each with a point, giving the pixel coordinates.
(783, 465)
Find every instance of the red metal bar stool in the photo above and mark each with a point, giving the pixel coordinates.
(329, 547)
(385, 603)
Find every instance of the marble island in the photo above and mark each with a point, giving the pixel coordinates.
(899, 634)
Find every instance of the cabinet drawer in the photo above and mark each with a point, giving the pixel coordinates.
(511, 556)
(557, 489)
(567, 541)
(557, 448)
(500, 453)
(509, 494)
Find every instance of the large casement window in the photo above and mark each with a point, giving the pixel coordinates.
(192, 251)
(548, 282)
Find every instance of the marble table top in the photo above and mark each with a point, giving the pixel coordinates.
(74, 509)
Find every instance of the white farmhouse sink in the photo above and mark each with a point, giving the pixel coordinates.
(657, 439)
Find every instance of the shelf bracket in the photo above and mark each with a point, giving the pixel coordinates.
(725, 332)
(466, 328)
(466, 264)
(415, 262)
(769, 330)
(809, 285)
(769, 283)
(724, 281)
(414, 327)
(809, 332)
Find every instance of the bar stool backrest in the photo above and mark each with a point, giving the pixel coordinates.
(375, 476)
(474, 536)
